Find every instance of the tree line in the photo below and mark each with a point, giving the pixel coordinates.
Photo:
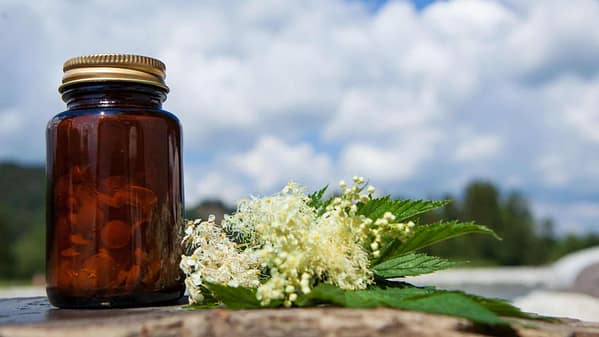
(526, 240)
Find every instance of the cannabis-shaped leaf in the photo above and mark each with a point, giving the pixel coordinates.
(348, 250)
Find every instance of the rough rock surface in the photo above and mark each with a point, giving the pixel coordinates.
(588, 280)
(172, 321)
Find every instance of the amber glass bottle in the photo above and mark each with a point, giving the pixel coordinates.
(114, 186)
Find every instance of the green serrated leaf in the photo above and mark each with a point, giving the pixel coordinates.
(403, 296)
(453, 304)
(427, 235)
(316, 197)
(402, 209)
(329, 294)
(503, 308)
(322, 294)
(317, 202)
(411, 265)
(409, 298)
(234, 297)
(387, 251)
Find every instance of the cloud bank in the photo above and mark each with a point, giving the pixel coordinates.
(420, 101)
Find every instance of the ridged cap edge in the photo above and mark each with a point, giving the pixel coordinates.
(114, 67)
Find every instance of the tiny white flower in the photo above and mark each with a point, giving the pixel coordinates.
(342, 184)
(196, 278)
(389, 216)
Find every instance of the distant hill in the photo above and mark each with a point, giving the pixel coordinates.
(22, 187)
(22, 224)
(208, 207)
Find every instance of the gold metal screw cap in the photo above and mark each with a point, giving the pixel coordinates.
(113, 67)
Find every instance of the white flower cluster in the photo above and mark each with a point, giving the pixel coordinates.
(215, 259)
(298, 248)
(371, 233)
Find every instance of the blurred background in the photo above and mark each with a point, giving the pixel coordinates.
(494, 104)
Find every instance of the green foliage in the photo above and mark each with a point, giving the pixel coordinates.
(527, 240)
(316, 198)
(235, 298)
(30, 255)
(369, 298)
(22, 188)
(6, 236)
(408, 297)
(317, 202)
(411, 264)
(399, 295)
(447, 303)
(22, 225)
(502, 307)
(426, 235)
(402, 209)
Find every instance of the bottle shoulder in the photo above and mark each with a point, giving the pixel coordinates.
(114, 113)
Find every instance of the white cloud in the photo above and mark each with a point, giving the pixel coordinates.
(478, 147)
(583, 113)
(271, 163)
(264, 168)
(554, 170)
(10, 122)
(378, 114)
(212, 184)
(316, 90)
(389, 164)
(470, 19)
(554, 38)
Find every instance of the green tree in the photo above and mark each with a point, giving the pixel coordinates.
(22, 209)
(520, 244)
(525, 240)
(6, 237)
(481, 205)
(30, 252)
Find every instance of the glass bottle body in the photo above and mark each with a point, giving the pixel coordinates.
(115, 198)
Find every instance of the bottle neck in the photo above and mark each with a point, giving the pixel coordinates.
(113, 94)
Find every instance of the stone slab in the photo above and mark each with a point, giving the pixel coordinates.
(23, 317)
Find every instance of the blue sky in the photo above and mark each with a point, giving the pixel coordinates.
(418, 4)
(419, 97)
